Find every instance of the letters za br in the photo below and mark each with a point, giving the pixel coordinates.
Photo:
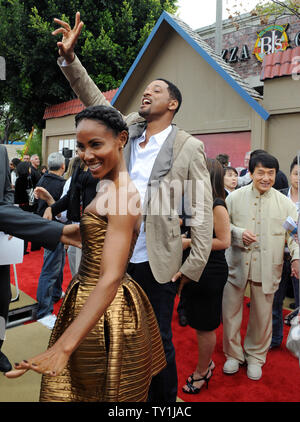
(271, 39)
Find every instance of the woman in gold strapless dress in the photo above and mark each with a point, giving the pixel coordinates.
(106, 344)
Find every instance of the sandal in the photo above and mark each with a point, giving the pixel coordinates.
(190, 384)
(211, 366)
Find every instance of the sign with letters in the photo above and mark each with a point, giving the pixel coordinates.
(271, 39)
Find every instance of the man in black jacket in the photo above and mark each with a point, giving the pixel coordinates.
(50, 281)
(32, 227)
(79, 191)
(6, 195)
(82, 191)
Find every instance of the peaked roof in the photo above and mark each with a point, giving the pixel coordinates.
(281, 63)
(71, 107)
(208, 54)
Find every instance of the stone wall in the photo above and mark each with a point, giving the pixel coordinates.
(12, 150)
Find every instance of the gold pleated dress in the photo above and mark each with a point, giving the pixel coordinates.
(121, 354)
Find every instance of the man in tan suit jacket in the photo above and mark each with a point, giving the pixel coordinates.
(257, 213)
(158, 156)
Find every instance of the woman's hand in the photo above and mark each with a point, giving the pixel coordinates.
(52, 362)
(295, 268)
(186, 242)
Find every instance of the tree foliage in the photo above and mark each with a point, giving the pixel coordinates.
(11, 130)
(112, 36)
(274, 9)
(266, 10)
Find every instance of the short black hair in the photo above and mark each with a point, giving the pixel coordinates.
(257, 151)
(228, 168)
(173, 91)
(15, 161)
(265, 160)
(109, 116)
(294, 163)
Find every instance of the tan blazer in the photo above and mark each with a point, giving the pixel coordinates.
(274, 209)
(181, 158)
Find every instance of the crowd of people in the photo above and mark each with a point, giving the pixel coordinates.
(112, 338)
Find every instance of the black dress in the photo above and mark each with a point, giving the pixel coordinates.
(203, 299)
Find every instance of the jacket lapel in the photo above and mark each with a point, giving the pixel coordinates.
(135, 131)
(164, 159)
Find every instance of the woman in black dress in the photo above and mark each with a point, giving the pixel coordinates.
(203, 299)
(23, 184)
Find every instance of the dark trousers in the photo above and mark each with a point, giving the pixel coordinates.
(5, 298)
(164, 386)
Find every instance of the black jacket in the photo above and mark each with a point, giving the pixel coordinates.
(54, 185)
(28, 226)
(81, 192)
(35, 175)
(281, 181)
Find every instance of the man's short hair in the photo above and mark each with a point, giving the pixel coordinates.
(55, 161)
(223, 159)
(265, 160)
(174, 92)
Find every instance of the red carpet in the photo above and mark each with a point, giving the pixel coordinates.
(281, 373)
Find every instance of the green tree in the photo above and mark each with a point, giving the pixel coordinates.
(11, 129)
(113, 34)
(274, 9)
(266, 10)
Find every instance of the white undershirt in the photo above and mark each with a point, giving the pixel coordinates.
(140, 167)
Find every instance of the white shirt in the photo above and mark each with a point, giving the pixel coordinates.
(297, 203)
(244, 180)
(140, 167)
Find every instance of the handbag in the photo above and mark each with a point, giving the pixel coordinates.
(293, 339)
(30, 191)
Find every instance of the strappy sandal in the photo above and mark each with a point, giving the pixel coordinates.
(190, 384)
(211, 366)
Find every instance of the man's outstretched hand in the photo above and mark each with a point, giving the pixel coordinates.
(70, 36)
(71, 235)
